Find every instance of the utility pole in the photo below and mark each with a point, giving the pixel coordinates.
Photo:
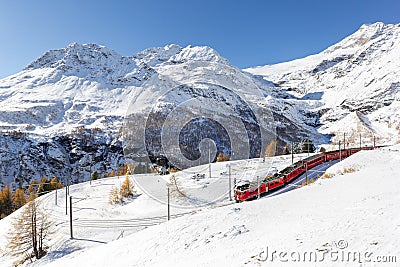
(169, 216)
(66, 200)
(209, 161)
(344, 141)
(340, 152)
(70, 217)
(68, 184)
(90, 174)
(306, 173)
(292, 152)
(230, 183)
(258, 187)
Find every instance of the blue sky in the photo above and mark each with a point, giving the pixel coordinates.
(247, 33)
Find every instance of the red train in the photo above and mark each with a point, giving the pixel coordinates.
(249, 190)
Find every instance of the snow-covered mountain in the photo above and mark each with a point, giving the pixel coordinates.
(63, 115)
(356, 82)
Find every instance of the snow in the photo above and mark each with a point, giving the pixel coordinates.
(358, 209)
(96, 221)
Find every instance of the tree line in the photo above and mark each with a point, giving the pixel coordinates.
(11, 200)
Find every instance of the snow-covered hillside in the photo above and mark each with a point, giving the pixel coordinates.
(355, 81)
(352, 214)
(98, 222)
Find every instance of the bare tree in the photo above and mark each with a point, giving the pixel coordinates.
(31, 230)
(175, 185)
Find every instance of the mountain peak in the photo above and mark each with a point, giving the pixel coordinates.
(202, 53)
(366, 34)
(171, 54)
(75, 54)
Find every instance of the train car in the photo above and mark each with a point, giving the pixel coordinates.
(275, 182)
(293, 171)
(315, 160)
(334, 155)
(352, 151)
(246, 190)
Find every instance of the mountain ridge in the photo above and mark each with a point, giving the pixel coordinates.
(78, 96)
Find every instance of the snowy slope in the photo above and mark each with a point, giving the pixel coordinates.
(349, 213)
(358, 74)
(98, 222)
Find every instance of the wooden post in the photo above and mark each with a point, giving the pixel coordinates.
(258, 187)
(374, 141)
(360, 142)
(56, 195)
(70, 217)
(340, 152)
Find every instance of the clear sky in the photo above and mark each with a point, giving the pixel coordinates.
(247, 33)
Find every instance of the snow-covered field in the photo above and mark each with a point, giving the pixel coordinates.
(352, 214)
(97, 222)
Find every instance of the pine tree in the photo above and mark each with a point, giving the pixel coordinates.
(30, 232)
(95, 175)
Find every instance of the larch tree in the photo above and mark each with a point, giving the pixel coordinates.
(19, 198)
(127, 188)
(6, 200)
(44, 186)
(33, 187)
(115, 196)
(220, 157)
(54, 183)
(30, 233)
(270, 151)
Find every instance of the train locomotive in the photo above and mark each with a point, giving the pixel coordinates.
(246, 190)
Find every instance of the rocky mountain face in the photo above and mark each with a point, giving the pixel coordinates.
(356, 83)
(63, 115)
(85, 108)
